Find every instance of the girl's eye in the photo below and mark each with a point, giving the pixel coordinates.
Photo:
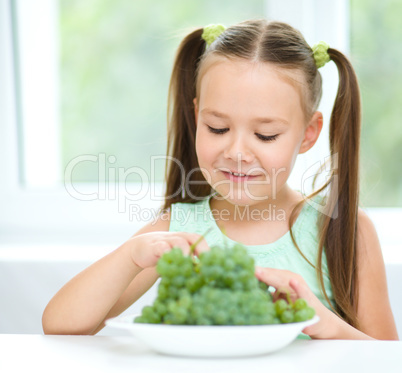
(218, 131)
(267, 138)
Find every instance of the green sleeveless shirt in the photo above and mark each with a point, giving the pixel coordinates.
(281, 254)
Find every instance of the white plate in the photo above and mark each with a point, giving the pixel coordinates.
(212, 341)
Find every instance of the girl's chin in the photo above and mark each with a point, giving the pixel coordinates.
(241, 198)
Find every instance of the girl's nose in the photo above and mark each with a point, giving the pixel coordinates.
(238, 150)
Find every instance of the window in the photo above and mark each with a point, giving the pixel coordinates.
(83, 95)
(375, 34)
(89, 93)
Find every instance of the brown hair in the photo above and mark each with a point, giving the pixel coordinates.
(279, 44)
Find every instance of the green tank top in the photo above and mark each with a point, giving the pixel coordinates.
(281, 254)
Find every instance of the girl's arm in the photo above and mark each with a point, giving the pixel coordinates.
(113, 283)
(374, 310)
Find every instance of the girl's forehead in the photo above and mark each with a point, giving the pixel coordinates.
(236, 66)
(248, 78)
(220, 66)
(219, 75)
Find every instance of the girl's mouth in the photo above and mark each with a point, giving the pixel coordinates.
(237, 178)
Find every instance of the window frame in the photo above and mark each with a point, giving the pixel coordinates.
(51, 214)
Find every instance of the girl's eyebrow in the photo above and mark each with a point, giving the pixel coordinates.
(262, 120)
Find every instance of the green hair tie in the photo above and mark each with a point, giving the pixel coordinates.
(211, 32)
(320, 53)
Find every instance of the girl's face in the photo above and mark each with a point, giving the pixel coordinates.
(250, 121)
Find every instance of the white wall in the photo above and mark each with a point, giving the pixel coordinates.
(31, 275)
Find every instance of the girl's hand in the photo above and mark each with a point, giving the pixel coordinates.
(286, 281)
(147, 248)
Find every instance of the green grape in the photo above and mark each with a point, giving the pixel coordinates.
(203, 320)
(140, 319)
(243, 276)
(220, 317)
(176, 255)
(194, 283)
(311, 312)
(299, 304)
(262, 285)
(160, 307)
(187, 270)
(161, 267)
(173, 292)
(239, 320)
(237, 286)
(163, 291)
(196, 311)
(287, 316)
(270, 308)
(280, 306)
(147, 311)
(254, 320)
(179, 315)
(304, 314)
(179, 281)
(150, 315)
(185, 302)
(217, 288)
(209, 309)
(229, 264)
(301, 315)
(169, 319)
(267, 319)
(229, 279)
(251, 283)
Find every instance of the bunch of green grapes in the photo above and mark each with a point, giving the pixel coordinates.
(217, 288)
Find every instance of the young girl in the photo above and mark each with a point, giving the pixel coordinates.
(243, 105)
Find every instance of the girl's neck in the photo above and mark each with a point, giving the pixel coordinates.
(274, 209)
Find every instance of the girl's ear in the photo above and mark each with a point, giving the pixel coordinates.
(195, 110)
(312, 132)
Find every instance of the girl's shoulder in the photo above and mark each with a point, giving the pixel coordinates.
(178, 213)
(367, 233)
(160, 224)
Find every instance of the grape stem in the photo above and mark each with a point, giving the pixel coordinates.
(193, 246)
(287, 294)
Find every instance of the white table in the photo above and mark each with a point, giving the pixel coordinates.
(28, 352)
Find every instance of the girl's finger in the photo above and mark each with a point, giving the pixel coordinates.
(304, 291)
(278, 295)
(161, 247)
(273, 277)
(181, 242)
(199, 242)
(295, 286)
(301, 291)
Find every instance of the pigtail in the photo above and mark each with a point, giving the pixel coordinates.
(181, 162)
(338, 226)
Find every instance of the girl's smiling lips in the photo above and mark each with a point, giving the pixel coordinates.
(239, 177)
(239, 173)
